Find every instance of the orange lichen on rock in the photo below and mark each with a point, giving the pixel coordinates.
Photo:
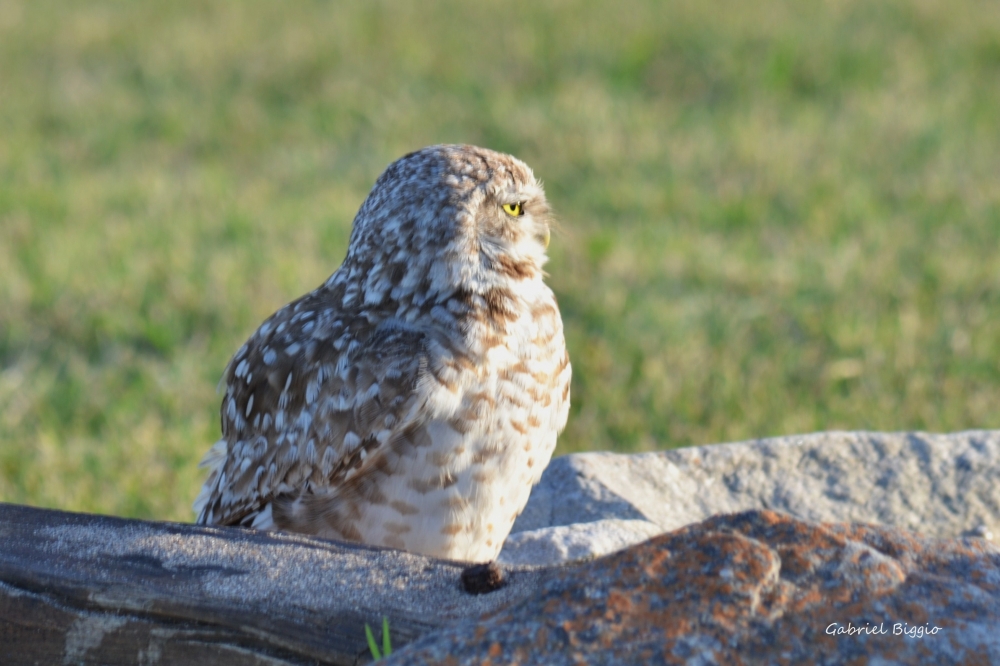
(751, 587)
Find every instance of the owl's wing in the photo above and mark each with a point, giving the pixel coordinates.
(310, 399)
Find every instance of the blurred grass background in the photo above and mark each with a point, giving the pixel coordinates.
(778, 217)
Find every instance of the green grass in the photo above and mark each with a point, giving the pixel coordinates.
(777, 217)
(386, 650)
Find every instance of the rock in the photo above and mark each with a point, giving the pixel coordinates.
(562, 543)
(942, 485)
(758, 587)
(816, 586)
(78, 588)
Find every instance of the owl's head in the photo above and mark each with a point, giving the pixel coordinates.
(446, 218)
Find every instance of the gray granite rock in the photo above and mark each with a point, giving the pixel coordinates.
(78, 588)
(563, 543)
(938, 485)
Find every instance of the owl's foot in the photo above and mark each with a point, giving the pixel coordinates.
(482, 578)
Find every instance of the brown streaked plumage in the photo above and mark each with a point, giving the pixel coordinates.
(414, 398)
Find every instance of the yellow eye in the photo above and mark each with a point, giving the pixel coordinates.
(514, 209)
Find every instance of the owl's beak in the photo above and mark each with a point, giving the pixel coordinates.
(545, 237)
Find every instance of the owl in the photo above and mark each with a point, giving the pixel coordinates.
(414, 398)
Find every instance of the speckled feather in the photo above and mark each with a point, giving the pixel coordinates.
(415, 397)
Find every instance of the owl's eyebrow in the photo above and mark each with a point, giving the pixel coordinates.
(526, 200)
(512, 195)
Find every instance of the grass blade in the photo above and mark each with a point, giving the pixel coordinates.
(372, 645)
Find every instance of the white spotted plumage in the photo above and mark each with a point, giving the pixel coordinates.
(415, 397)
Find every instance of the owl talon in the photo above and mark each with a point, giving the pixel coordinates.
(483, 578)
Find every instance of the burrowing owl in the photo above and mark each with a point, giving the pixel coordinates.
(414, 398)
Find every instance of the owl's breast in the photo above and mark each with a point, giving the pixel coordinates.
(512, 416)
(498, 410)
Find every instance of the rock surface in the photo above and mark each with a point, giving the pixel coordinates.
(754, 587)
(939, 485)
(748, 586)
(84, 589)
(551, 545)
